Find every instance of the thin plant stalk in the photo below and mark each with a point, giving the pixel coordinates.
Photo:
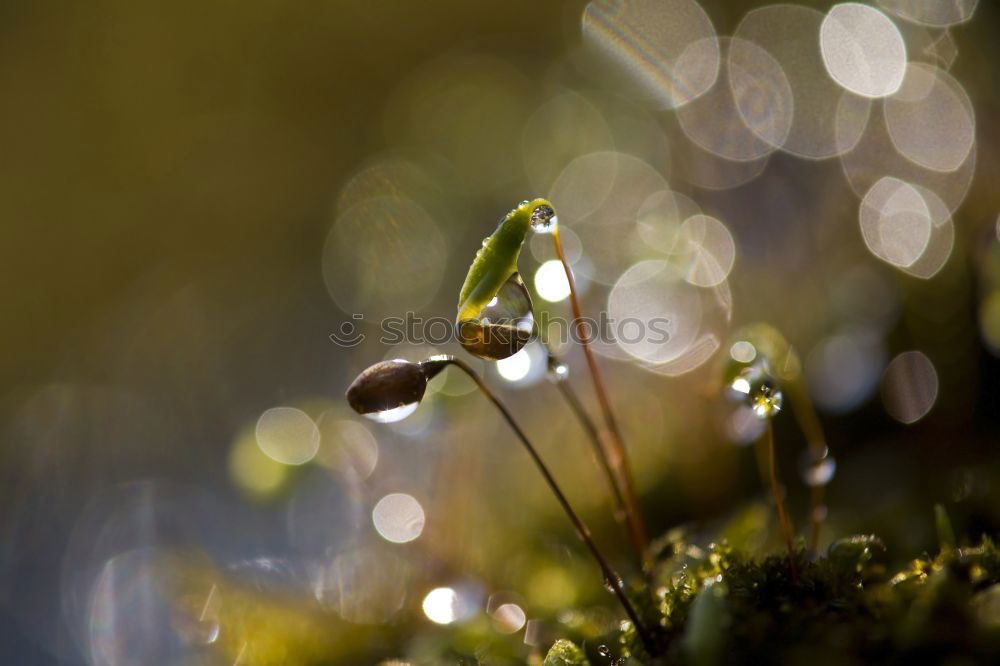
(786, 527)
(613, 448)
(808, 421)
(613, 580)
(569, 395)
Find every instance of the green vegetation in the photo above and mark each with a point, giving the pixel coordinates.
(720, 606)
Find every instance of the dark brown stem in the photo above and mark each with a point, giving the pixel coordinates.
(569, 395)
(613, 580)
(786, 527)
(612, 445)
(808, 420)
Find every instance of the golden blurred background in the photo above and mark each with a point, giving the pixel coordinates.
(197, 195)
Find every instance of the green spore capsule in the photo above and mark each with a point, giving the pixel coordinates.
(494, 317)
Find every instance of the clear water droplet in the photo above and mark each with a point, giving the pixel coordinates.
(394, 414)
(604, 651)
(817, 472)
(503, 327)
(759, 389)
(557, 370)
(544, 220)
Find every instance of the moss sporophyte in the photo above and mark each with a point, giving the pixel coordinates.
(495, 320)
(722, 603)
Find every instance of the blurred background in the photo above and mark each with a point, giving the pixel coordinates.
(198, 195)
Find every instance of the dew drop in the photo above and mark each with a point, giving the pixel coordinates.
(817, 472)
(759, 389)
(557, 370)
(503, 327)
(544, 220)
(394, 414)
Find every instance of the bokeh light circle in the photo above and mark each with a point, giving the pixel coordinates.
(933, 13)
(287, 435)
(930, 119)
(665, 48)
(909, 387)
(895, 222)
(828, 120)
(383, 256)
(745, 115)
(710, 248)
(863, 50)
(550, 281)
(398, 518)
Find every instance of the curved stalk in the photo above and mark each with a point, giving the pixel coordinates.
(571, 398)
(613, 580)
(786, 527)
(612, 446)
(808, 420)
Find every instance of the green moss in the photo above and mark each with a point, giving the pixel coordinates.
(719, 606)
(565, 653)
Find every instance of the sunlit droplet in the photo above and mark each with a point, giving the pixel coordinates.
(544, 220)
(760, 390)
(503, 327)
(398, 518)
(550, 281)
(394, 414)
(557, 370)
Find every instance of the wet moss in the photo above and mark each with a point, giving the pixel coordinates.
(718, 605)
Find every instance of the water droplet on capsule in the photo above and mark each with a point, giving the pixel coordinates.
(503, 327)
(760, 390)
(394, 414)
(544, 220)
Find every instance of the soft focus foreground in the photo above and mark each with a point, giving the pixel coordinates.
(212, 210)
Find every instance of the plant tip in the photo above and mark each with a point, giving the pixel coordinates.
(544, 219)
(390, 390)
